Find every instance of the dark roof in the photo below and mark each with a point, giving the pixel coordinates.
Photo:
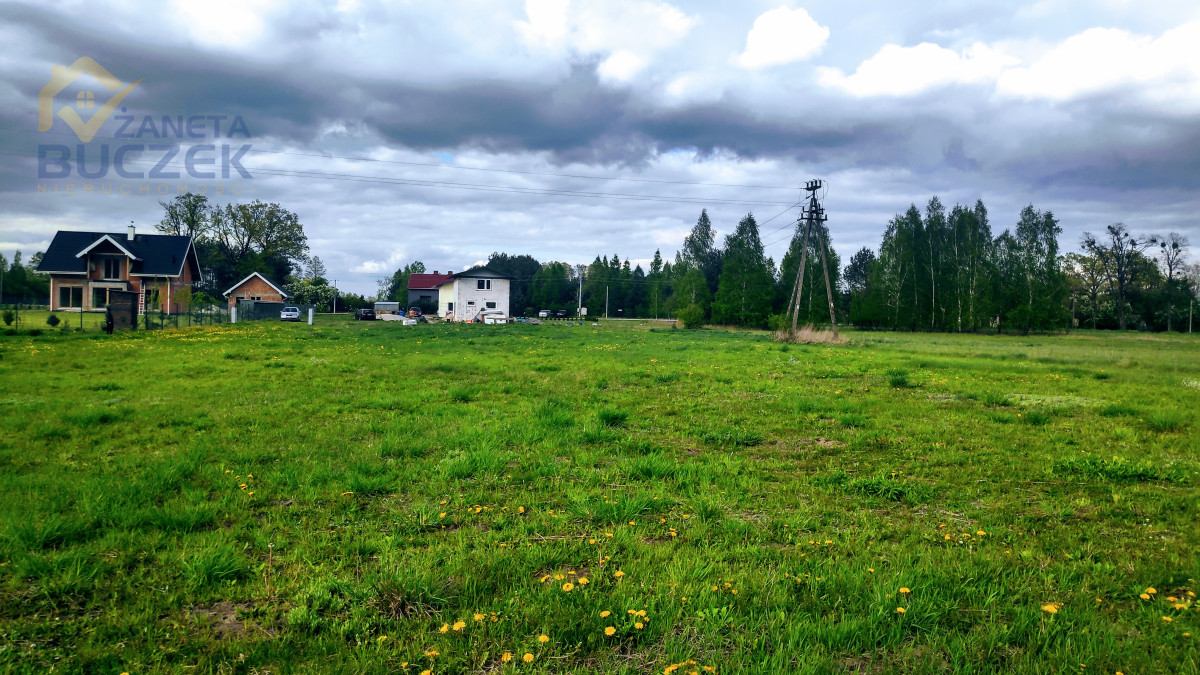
(426, 281)
(481, 271)
(157, 254)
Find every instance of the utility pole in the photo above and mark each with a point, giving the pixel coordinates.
(579, 306)
(335, 294)
(606, 302)
(812, 214)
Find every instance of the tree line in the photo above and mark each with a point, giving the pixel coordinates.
(936, 269)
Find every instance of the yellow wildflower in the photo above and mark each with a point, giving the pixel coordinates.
(381, 638)
(905, 590)
(583, 581)
(528, 658)
(618, 574)
(1050, 608)
(899, 610)
(568, 586)
(610, 630)
(543, 639)
(639, 625)
(506, 657)
(1151, 591)
(478, 617)
(1144, 596)
(605, 614)
(445, 628)
(459, 625)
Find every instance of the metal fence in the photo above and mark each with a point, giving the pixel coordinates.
(257, 310)
(27, 317)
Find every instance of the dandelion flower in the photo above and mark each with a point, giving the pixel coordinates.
(568, 586)
(528, 658)
(899, 610)
(543, 639)
(618, 574)
(610, 630)
(427, 672)
(432, 653)
(459, 625)
(1167, 619)
(445, 628)
(559, 577)
(1171, 598)
(605, 614)
(1050, 608)
(478, 617)
(734, 591)
(520, 509)
(506, 657)
(871, 570)
(632, 523)
(583, 581)
(1144, 596)
(639, 625)
(905, 590)
(1180, 605)
(1151, 591)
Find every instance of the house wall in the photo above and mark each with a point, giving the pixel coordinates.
(255, 288)
(468, 299)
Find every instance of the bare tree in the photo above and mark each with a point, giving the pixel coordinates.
(1173, 249)
(1119, 256)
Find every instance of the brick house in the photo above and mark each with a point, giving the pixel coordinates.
(256, 287)
(85, 267)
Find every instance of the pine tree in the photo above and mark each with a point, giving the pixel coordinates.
(745, 289)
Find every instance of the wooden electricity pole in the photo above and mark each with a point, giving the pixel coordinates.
(812, 214)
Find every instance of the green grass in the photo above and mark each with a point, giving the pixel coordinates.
(286, 498)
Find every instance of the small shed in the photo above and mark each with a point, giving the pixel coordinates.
(388, 308)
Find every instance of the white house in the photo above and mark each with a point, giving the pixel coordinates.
(467, 293)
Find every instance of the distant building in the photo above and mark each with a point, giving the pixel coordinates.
(423, 288)
(85, 267)
(258, 288)
(465, 294)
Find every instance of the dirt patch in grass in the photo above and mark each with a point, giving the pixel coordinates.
(222, 619)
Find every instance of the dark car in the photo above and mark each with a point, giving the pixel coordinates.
(414, 311)
(364, 315)
(561, 314)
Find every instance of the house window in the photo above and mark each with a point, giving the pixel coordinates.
(491, 305)
(151, 296)
(99, 298)
(470, 303)
(483, 284)
(70, 296)
(449, 306)
(112, 268)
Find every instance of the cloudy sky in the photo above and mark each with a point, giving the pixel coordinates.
(443, 131)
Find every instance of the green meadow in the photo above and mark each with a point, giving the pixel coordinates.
(624, 498)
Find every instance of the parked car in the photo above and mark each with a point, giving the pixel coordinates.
(544, 314)
(290, 314)
(364, 315)
(414, 311)
(561, 314)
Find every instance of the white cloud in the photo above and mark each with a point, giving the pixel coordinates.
(621, 66)
(1108, 59)
(223, 23)
(900, 71)
(547, 24)
(627, 34)
(782, 36)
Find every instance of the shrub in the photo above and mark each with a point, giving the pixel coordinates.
(692, 316)
(9, 317)
(53, 321)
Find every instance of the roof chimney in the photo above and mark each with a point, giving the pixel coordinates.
(132, 232)
(435, 271)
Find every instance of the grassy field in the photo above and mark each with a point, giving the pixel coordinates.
(380, 498)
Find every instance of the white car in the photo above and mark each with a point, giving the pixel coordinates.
(544, 314)
(290, 314)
